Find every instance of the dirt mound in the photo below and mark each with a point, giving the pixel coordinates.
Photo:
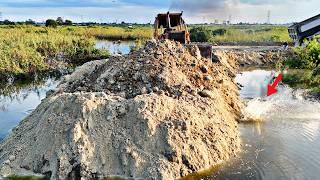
(166, 67)
(160, 112)
(254, 56)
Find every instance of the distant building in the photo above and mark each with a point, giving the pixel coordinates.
(225, 22)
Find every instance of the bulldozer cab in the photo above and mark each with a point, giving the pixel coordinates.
(171, 26)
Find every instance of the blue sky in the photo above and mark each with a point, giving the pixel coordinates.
(142, 11)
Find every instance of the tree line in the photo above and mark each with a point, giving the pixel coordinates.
(49, 22)
(58, 22)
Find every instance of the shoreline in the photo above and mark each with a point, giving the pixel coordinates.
(74, 88)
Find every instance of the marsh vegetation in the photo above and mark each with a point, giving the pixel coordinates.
(304, 67)
(240, 34)
(30, 49)
(26, 50)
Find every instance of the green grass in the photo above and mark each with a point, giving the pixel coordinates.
(303, 79)
(298, 78)
(30, 49)
(26, 50)
(241, 34)
(114, 33)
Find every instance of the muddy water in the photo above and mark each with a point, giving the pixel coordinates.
(286, 145)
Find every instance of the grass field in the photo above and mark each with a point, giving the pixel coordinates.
(113, 33)
(27, 49)
(240, 34)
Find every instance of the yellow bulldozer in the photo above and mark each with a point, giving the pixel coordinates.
(172, 26)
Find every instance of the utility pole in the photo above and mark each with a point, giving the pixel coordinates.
(268, 17)
(81, 17)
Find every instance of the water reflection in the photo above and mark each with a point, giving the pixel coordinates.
(19, 100)
(116, 47)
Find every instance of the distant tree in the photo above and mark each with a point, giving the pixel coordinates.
(51, 23)
(68, 22)
(59, 21)
(30, 22)
(7, 22)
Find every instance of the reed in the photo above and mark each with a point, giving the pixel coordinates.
(29, 49)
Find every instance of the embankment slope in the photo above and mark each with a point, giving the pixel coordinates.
(161, 112)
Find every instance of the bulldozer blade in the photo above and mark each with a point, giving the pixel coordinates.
(205, 49)
(178, 36)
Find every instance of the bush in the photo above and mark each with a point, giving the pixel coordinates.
(219, 32)
(68, 23)
(316, 71)
(200, 34)
(307, 61)
(295, 62)
(51, 23)
(310, 54)
(307, 57)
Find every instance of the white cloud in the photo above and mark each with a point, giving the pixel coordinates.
(144, 11)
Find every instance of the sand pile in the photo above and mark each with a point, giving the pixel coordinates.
(160, 112)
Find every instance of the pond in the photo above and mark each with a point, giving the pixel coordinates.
(286, 144)
(21, 100)
(18, 101)
(116, 47)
